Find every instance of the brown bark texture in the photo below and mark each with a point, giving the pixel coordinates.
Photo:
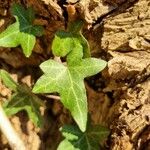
(119, 32)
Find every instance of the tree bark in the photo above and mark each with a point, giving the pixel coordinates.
(119, 33)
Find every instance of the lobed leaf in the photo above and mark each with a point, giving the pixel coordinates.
(22, 32)
(22, 99)
(68, 82)
(71, 44)
(63, 43)
(88, 140)
(26, 18)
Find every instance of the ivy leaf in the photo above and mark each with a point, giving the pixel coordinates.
(66, 145)
(22, 32)
(25, 100)
(22, 99)
(71, 43)
(88, 140)
(12, 37)
(26, 18)
(75, 28)
(65, 42)
(7, 80)
(68, 81)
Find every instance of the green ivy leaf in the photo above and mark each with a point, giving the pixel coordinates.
(88, 140)
(75, 28)
(8, 81)
(12, 37)
(22, 99)
(65, 42)
(68, 81)
(26, 18)
(22, 32)
(72, 43)
(66, 145)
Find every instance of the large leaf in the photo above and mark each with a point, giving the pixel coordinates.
(22, 99)
(68, 81)
(22, 32)
(89, 140)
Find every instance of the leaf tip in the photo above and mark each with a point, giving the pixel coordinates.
(34, 90)
(27, 55)
(82, 128)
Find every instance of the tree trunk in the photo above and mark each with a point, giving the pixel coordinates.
(119, 32)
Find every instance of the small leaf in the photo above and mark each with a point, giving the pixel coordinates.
(66, 145)
(68, 82)
(88, 140)
(25, 100)
(74, 45)
(8, 81)
(12, 37)
(22, 32)
(22, 99)
(75, 28)
(25, 18)
(64, 42)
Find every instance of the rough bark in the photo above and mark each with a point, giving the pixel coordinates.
(126, 39)
(119, 33)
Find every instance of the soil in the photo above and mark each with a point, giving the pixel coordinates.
(118, 31)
